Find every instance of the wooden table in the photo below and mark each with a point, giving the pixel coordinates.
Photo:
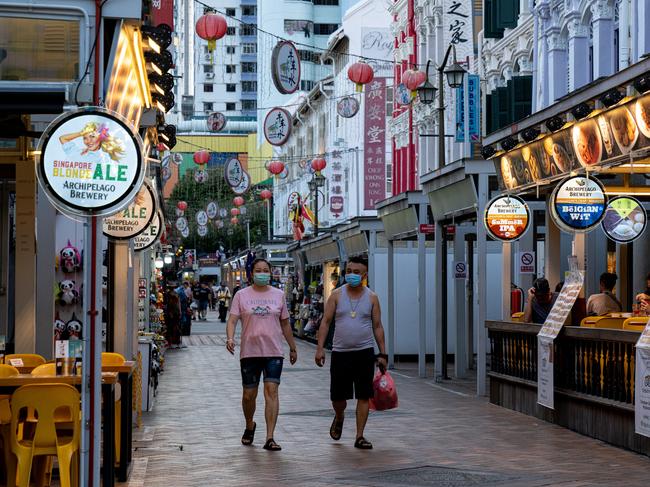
(125, 377)
(9, 384)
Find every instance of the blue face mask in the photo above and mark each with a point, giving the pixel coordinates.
(353, 280)
(262, 278)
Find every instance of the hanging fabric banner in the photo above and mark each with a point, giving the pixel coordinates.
(374, 160)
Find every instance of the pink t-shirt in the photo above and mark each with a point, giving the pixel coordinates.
(260, 314)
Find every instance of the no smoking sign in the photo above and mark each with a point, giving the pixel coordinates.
(526, 262)
(460, 270)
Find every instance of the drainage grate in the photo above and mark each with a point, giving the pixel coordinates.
(427, 476)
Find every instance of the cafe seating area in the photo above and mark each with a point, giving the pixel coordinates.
(40, 418)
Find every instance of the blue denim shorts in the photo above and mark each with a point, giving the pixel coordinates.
(253, 367)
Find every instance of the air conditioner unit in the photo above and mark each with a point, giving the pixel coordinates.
(209, 75)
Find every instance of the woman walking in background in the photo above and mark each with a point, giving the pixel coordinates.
(262, 310)
(172, 318)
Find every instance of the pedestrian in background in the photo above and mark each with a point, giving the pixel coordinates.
(223, 297)
(204, 293)
(358, 327)
(539, 302)
(263, 313)
(172, 318)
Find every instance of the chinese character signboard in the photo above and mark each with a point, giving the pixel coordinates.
(472, 106)
(285, 67)
(277, 126)
(374, 167)
(337, 186)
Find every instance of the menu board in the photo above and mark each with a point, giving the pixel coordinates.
(625, 219)
(578, 204)
(550, 330)
(507, 218)
(605, 139)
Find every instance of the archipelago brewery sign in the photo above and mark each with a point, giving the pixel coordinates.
(578, 204)
(151, 234)
(507, 218)
(90, 162)
(135, 218)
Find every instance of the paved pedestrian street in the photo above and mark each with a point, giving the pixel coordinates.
(441, 435)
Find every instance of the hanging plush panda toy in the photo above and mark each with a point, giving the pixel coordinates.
(68, 293)
(70, 259)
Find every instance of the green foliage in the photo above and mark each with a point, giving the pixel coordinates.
(198, 195)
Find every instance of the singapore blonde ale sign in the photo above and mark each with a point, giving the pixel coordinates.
(90, 162)
(134, 219)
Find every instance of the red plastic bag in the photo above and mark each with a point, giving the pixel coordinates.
(385, 392)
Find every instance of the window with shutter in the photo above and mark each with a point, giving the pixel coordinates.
(499, 15)
(503, 107)
(521, 96)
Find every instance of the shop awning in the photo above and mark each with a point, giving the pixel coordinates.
(593, 130)
(399, 214)
(355, 234)
(321, 249)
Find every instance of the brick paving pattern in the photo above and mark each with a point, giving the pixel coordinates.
(441, 435)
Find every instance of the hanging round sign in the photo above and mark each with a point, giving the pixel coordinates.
(219, 223)
(212, 210)
(578, 204)
(177, 158)
(200, 176)
(181, 223)
(506, 218)
(347, 107)
(185, 232)
(625, 219)
(179, 212)
(216, 122)
(403, 95)
(245, 184)
(285, 67)
(201, 218)
(134, 219)
(243, 210)
(277, 126)
(223, 213)
(166, 174)
(233, 172)
(202, 230)
(90, 162)
(150, 235)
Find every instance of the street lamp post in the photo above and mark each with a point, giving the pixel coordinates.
(426, 93)
(317, 182)
(248, 233)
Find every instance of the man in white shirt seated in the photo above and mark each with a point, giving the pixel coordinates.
(605, 302)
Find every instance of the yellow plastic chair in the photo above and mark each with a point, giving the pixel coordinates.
(5, 422)
(518, 317)
(45, 399)
(116, 359)
(29, 359)
(45, 370)
(602, 322)
(8, 371)
(636, 323)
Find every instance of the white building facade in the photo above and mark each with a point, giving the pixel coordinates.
(320, 130)
(222, 81)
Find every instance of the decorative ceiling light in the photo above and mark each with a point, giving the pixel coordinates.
(509, 144)
(488, 151)
(611, 98)
(554, 124)
(642, 84)
(581, 111)
(530, 134)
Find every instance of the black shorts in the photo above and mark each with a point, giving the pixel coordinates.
(253, 367)
(351, 375)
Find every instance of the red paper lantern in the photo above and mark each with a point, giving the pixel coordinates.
(276, 167)
(234, 220)
(318, 164)
(266, 195)
(412, 79)
(238, 201)
(181, 205)
(211, 27)
(234, 211)
(361, 73)
(201, 157)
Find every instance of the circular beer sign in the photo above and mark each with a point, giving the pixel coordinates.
(135, 218)
(150, 235)
(507, 218)
(90, 162)
(625, 219)
(578, 204)
(285, 67)
(277, 126)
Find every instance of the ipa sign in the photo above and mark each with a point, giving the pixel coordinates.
(135, 218)
(90, 162)
(506, 218)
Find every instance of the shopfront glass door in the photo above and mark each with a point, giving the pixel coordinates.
(7, 262)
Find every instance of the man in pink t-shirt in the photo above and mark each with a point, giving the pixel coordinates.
(262, 310)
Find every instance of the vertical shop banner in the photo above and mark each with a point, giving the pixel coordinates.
(162, 12)
(337, 186)
(642, 384)
(473, 108)
(551, 329)
(459, 31)
(374, 163)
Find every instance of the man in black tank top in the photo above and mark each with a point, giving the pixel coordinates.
(358, 328)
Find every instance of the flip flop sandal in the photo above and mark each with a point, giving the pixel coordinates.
(362, 444)
(271, 445)
(336, 429)
(248, 436)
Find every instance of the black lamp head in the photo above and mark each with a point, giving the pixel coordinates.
(530, 134)
(642, 84)
(488, 151)
(611, 98)
(509, 144)
(554, 124)
(581, 111)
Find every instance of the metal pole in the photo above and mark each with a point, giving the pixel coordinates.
(445, 288)
(316, 212)
(391, 304)
(268, 220)
(470, 238)
(481, 248)
(248, 233)
(422, 296)
(467, 143)
(441, 117)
